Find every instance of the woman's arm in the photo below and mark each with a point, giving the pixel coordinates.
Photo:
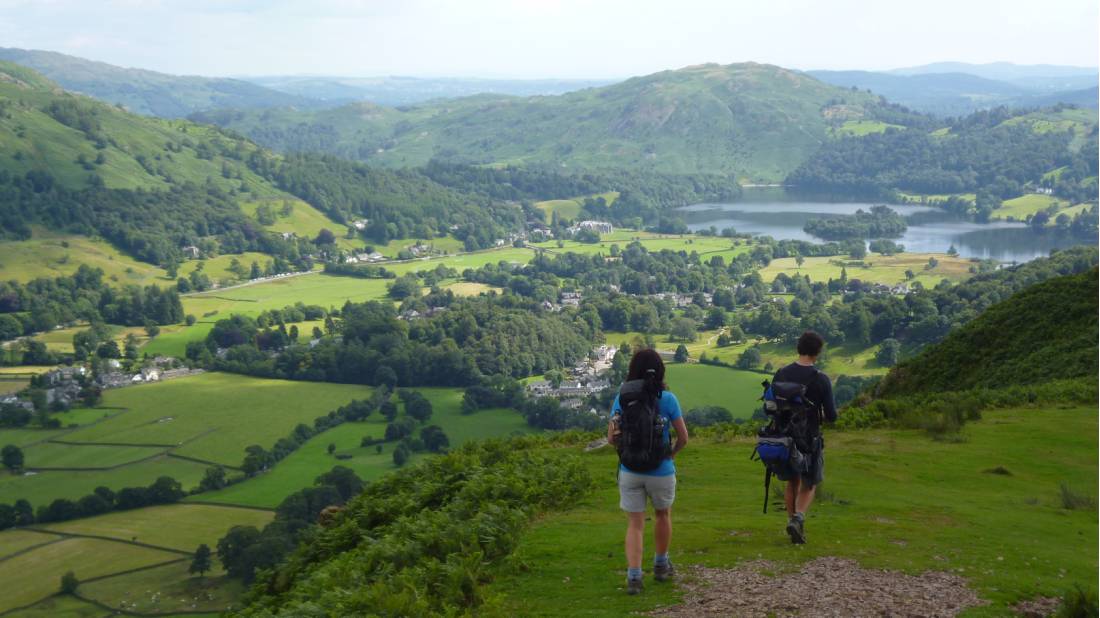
(681, 435)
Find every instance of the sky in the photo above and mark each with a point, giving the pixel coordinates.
(596, 39)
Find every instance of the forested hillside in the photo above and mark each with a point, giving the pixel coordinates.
(995, 154)
(1045, 332)
(751, 120)
(148, 92)
(152, 187)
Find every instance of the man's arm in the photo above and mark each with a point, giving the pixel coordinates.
(612, 430)
(829, 404)
(681, 435)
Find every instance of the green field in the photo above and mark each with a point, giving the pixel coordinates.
(1018, 208)
(887, 270)
(570, 209)
(14, 541)
(43, 487)
(705, 246)
(697, 385)
(53, 455)
(169, 588)
(312, 459)
(35, 575)
(213, 416)
(893, 499)
(173, 339)
(859, 128)
(176, 526)
(25, 437)
(50, 254)
(217, 268)
(304, 220)
(61, 340)
(60, 607)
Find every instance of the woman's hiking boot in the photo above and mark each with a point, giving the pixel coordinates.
(663, 572)
(634, 586)
(795, 530)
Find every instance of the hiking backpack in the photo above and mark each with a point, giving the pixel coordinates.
(785, 445)
(641, 442)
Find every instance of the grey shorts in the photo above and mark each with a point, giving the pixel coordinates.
(634, 488)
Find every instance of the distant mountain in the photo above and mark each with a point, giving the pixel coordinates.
(942, 94)
(148, 92)
(958, 94)
(1003, 71)
(752, 120)
(395, 90)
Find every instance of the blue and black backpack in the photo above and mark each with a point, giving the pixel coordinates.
(785, 445)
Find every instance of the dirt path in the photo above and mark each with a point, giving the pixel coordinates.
(826, 586)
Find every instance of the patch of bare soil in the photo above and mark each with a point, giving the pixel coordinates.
(826, 586)
(1039, 607)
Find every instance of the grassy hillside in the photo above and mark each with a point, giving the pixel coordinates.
(892, 499)
(148, 92)
(755, 121)
(1046, 332)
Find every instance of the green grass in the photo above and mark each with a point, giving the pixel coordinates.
(168, 588)
(44, 487)
(570, 209)
(213, 416)
(304, 220)
(61, 607)
(706, 385)
(61, 340)
(35, 575)
(1019, 208)
(705, 246)
(892, 499)
(217, 268)
(176, 526)
(24, 437)
(887, 270)
(859, 128)
(50, 254)
(312, 459)
(53, 455)
(13, 541)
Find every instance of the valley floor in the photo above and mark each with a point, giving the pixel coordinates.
(987, 508)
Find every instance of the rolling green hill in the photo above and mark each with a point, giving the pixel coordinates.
(151, 186)
(752, 120)
(1046, 332)
(148, 92)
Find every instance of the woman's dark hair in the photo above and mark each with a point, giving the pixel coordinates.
(810, 344)
(647, 365)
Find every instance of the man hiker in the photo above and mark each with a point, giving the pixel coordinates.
(641, 416)
(819, 391)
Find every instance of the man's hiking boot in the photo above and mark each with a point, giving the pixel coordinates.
(794, 529)
(663, 573)
(634, 586)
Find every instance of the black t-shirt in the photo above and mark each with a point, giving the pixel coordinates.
(818, 390)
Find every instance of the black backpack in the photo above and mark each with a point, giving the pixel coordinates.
(641, 442)
(785, 445)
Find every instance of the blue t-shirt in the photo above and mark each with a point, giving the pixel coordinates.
(669, 407)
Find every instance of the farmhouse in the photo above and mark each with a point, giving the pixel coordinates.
(600, 227)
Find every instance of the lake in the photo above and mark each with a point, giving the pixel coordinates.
(774, 213)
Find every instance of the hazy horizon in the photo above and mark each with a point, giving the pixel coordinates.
(543, 39)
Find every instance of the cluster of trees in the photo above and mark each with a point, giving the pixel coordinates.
(920, 317)
(362, 271)
(473, 337)
(165, 490)
(42, 304)
(246, 550)
(881, 222)
(542, 412)
(421, 541)
(981, 153)
(397, 204)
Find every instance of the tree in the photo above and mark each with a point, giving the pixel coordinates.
(681, 355)
(69, 583)
(232, 550)
(331, 448)
(952, 251)
(799, 260)
(888, 353)
(682, 329)
(434, 439)
(555, 377)
(12, 457)
(212, 479)
(254, 272)
(347, 483)
(749, 359)
(400, 455)
(151, 328)
(325, 237)
(716, 318)
(418, 407)
(201, 563)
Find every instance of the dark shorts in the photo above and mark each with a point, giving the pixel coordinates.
(816, 474)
